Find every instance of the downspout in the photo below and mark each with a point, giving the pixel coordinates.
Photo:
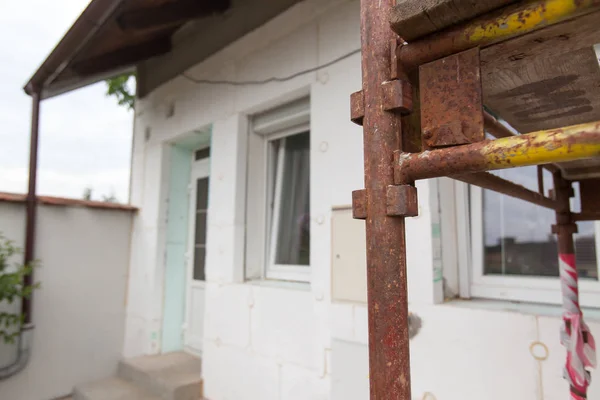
(25, 336)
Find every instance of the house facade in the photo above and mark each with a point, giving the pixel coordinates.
(297, 329)
(245, 253)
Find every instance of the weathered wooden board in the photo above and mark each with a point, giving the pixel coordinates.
(547, 79)
(412, 19)
(546, 93)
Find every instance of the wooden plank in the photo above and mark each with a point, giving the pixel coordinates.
(547, 93)
(546, 79)
(411, 19)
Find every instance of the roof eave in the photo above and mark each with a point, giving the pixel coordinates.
(90, 20)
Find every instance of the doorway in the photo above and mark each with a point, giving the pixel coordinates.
(196, 249)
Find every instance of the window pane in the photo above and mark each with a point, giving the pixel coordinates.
(201, 154)
(200, 227)
(518, 238)
(293, 231)
(202, 194)
(199, 258)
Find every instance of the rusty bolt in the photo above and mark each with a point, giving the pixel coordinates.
(397, 96)
(357, 107)
(359, 204)
(402, 201)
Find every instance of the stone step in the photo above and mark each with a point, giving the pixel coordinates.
(111, 389)
(171, 376)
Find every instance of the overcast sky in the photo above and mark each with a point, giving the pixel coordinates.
(85, 136)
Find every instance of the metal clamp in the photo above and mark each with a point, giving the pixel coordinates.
(357, 107)
(397, 96)
(359, 204)
(402, 201)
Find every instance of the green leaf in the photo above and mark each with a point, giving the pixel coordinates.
(119, 88)
(12, 288)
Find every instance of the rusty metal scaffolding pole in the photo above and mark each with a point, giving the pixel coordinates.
(494, 127)
(565, 228)
(586, 216)
(389, 361)
(543, 147)
(488, 181)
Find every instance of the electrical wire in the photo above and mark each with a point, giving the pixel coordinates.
(272, 79)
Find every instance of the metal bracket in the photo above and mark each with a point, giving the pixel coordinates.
(451, 100)
(397, 96)
(359, 204)
(402, 201)
(357, 107)
(570, 228)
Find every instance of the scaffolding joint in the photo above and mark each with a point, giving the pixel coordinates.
(402, 201)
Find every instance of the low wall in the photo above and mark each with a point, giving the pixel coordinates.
(79, 310)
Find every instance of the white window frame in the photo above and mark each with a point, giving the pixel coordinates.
(274, 270)
(512, 288)
(261, 234)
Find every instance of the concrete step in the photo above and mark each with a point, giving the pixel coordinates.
(171, 376)
(111, 389)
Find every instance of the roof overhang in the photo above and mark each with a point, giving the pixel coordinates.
(111, 36)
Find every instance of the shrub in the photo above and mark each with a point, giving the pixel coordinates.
(12, 289)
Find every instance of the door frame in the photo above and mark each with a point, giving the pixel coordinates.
(199, 169)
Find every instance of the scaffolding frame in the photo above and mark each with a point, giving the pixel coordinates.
(422, 119)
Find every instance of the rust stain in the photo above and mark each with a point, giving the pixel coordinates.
(521, 18)
(540, 147)
(451, 100)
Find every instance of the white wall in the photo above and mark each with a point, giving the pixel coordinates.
(275, 341)
(465, 350)
(79, 310)
(272, 340)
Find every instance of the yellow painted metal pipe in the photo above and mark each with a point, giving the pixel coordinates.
(543, 147)
(492, 28)
(566, 144)
(533, 16)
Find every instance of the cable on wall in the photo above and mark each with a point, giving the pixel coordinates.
(272, 79)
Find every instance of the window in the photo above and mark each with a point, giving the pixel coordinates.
(202, 154)
(278, 195)
(514, 253)
(199, 185)
(200, 229)
(289, 243)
